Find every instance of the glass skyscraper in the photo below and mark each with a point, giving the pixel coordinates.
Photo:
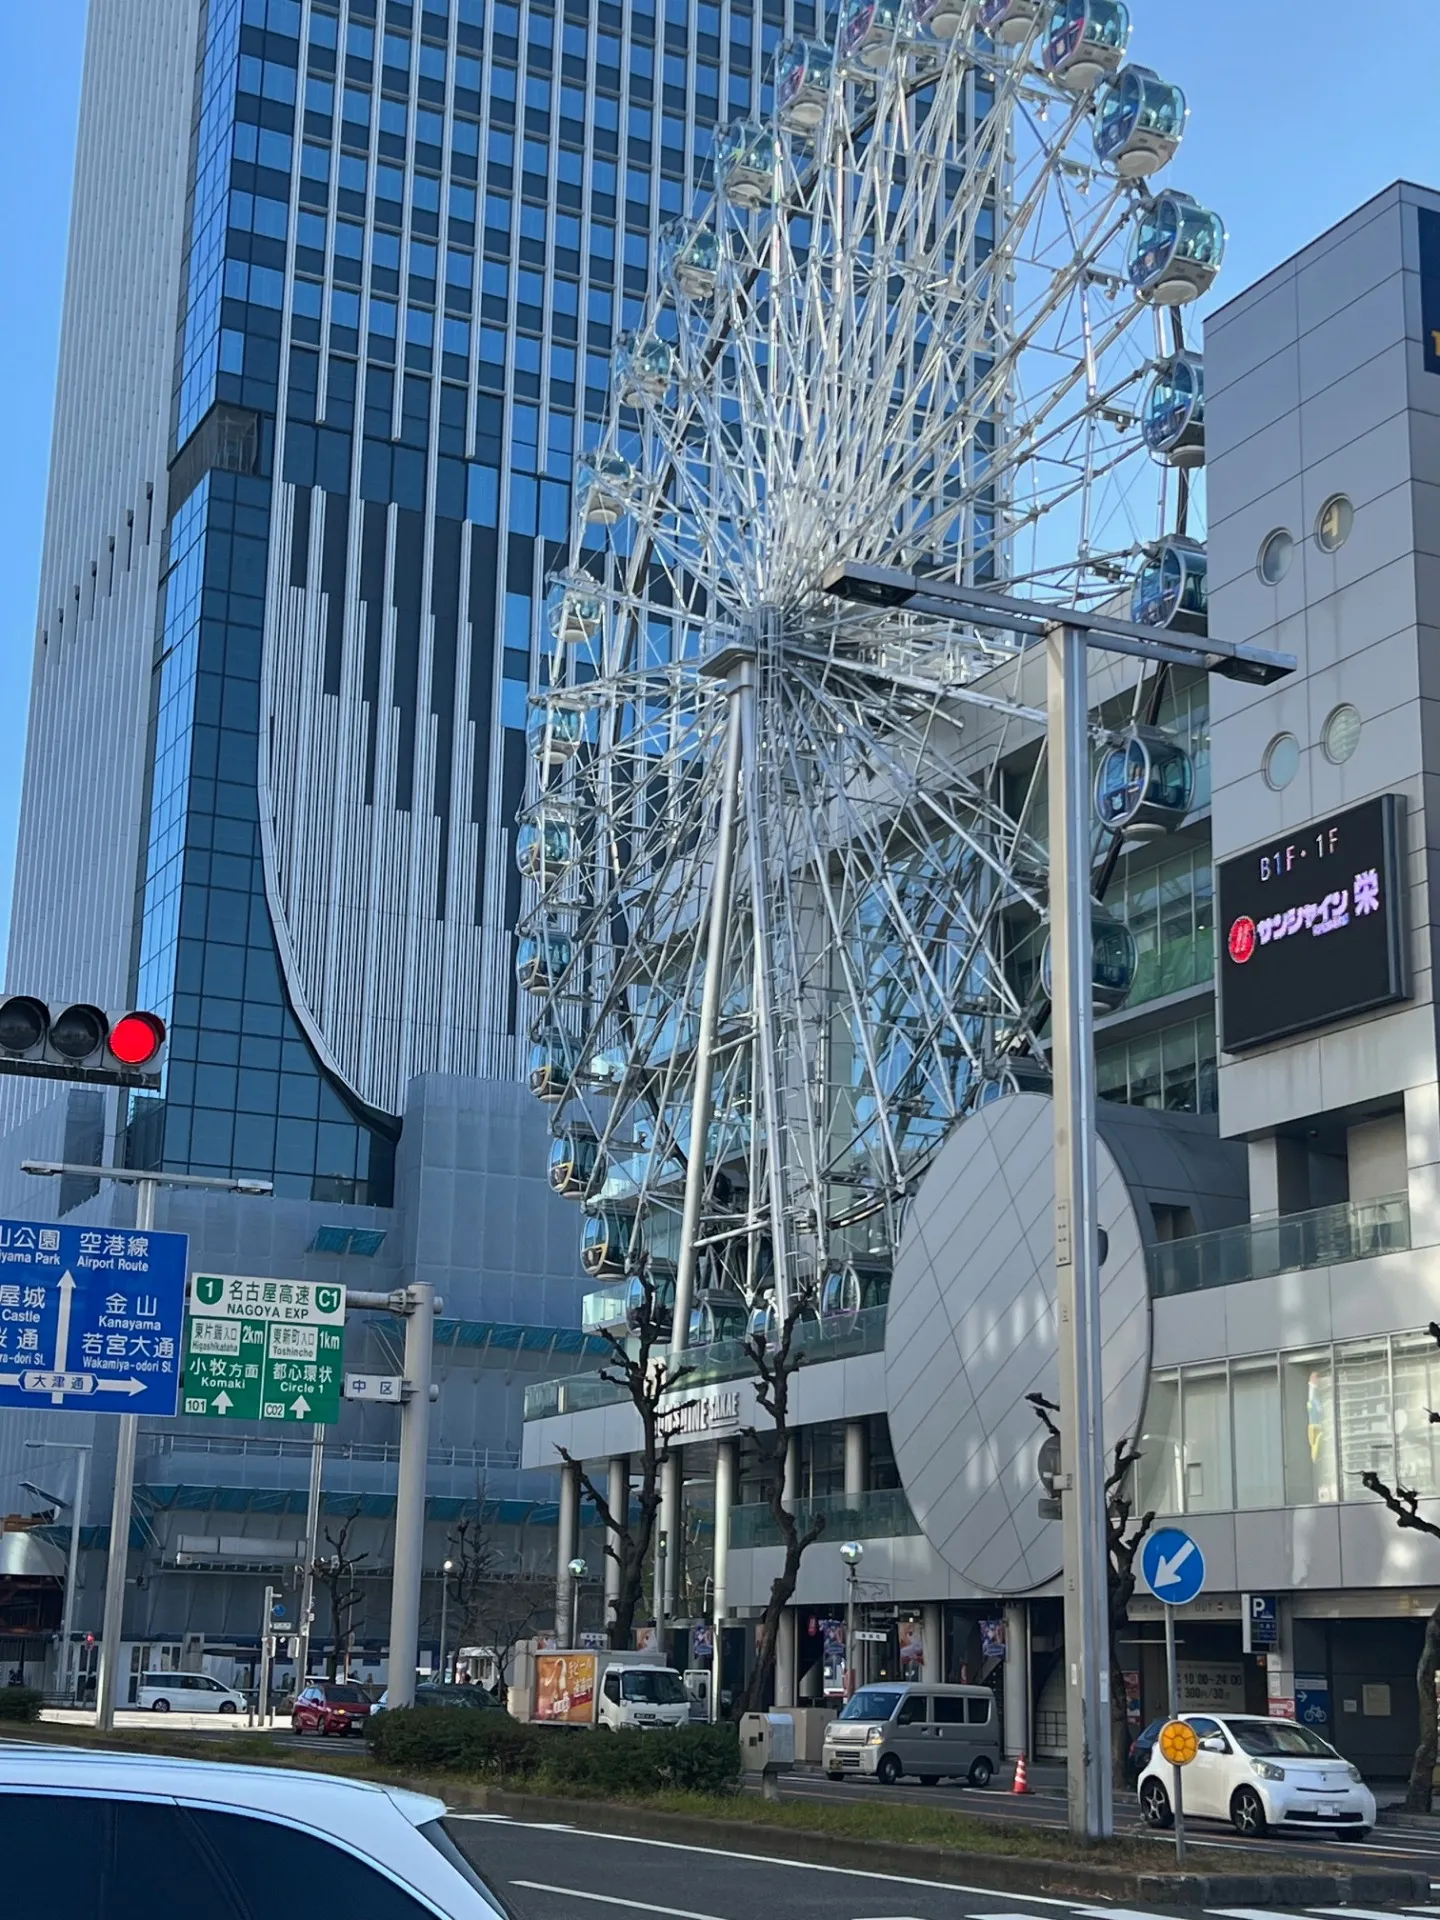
(385, 251)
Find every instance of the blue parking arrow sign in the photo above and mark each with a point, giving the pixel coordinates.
(1173, 1566)
(90, 1316)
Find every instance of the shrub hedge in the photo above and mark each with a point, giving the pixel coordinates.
(19, 1703)
(491, 1746)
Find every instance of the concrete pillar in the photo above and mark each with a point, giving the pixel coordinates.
(1017, 1679)
(567, 1545)
(617, 1493)
(857, 1460)
(792, 1470)
(672, 1481)
(727, 1462)
(932, 1622)
(785, 1660)
(1280, 1666)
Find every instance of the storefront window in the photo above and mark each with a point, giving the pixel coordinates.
(1367, 1430)
(1160, 1489)
(1206, 1414)
(1415, 1370)
(1255, 1400)
(1309, 1414)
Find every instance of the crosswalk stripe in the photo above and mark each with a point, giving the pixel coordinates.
(1253, 1913)
(1352, 1913)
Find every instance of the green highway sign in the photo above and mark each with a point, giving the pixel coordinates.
(264, 1349)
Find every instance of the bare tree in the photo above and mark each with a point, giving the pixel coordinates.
(649, 1378)
(336, 1573)
(1124, 1534)
(1404, 1503)
(774, 1370)
(491, 1600)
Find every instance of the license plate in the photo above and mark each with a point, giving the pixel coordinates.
(1328, 1810)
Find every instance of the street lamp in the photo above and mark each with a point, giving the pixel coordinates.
(577, 1571)
(77, 1505)
(446, 1569)
(852, 1553)
(1068, 633)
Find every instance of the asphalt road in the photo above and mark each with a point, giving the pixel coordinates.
(1386, 1847)
(556, 1872)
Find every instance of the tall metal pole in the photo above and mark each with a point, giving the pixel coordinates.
(1077, 1250)
(312, 1549)
(67, 1617)
(444, 1615)
(267, 1656)
(1172, 1683)
(112, 1623)
(701, 1108)
(410, 1497)
(851, 1651)
(725, 1462)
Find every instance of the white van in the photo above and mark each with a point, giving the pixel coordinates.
(187, 1693)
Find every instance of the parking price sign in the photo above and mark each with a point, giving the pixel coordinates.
(92, 1316)
(264, 1349)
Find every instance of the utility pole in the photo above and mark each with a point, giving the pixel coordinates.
(419, 1306)
(112, 1624)
(306, 1621)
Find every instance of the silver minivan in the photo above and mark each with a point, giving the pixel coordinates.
(930, 1732)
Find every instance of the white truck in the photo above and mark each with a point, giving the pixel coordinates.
(588, 1688)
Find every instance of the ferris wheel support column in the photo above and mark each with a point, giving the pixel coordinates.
(1077, 1244)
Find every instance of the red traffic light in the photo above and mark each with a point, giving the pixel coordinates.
(137, 1038)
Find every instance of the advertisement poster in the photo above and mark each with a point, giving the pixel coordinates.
(565, 1688)
(992, 1639)
(912, 1649)
(647, 1639)
(832, 1634)
(1132, 1700)
(702, 1646)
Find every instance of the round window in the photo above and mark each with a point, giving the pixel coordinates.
(1276, 553)
(1333, 523)
(1341, 734)
(1282, 761)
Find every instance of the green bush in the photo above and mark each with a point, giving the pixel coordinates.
(580, 1759)
(20, 1703)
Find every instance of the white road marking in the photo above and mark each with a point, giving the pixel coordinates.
(799, 1866)
(613, 1900)
(1353, 1913)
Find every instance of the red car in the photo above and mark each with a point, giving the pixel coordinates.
(330, 1706)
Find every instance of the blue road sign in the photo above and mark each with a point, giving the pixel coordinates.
(1173, 1566)
(90, 1316)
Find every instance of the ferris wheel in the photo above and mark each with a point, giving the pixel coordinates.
(785, 896)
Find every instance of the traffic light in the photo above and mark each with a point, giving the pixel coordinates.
(81, 1043)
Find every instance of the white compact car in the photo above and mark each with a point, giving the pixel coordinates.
(86, 1834)
(187, 1693)
(1259, 1774)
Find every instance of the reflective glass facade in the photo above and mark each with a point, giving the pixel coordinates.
(414, 232)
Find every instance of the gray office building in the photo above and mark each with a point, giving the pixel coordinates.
(344, 282)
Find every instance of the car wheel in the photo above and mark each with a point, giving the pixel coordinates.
(159, 1706)
(1155, 1804)
(1247, 1814)
(228, 1706)
(981, 1773)
(889, 1772)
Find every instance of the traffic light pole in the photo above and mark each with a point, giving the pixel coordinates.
(113, 1619)
(312, 1548)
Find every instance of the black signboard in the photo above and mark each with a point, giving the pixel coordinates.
(1313, 927)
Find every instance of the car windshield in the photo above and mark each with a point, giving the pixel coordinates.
(655, 1689)
(871, 1703)
(345, 1696)
(1263, 1738)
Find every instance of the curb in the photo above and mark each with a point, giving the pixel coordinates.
(998, 1874)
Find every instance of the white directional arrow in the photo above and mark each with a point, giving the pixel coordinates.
(1167, 1571)
(9, 1379)
(222, 1402)
(62, 1329)
(300, 1407)
(119, 1386)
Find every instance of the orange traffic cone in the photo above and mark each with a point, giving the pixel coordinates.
(1022, 1776)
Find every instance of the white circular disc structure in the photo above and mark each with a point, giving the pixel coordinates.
(972, 1329)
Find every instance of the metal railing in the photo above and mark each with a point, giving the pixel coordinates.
(834, 1338)
(1325, 1237)
(382, 1452)
(874, 1516)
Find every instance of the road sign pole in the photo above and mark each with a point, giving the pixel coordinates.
(267, 1652)
(1172, 1681)
(312, 1549)
(113, 1619)
(410, 1496)
(67, 1616)
(1077, 1245)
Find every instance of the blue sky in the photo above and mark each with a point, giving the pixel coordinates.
(1299, 114)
